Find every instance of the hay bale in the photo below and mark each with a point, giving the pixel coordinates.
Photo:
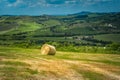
(48, 49)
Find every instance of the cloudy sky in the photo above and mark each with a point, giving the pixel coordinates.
(38, 7)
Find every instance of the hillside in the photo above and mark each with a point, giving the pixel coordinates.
(29, 64)
(78, 29)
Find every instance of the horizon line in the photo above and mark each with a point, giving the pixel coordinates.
(55, 14)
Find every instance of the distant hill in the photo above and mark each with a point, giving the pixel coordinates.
(64, 28)
(82, 13)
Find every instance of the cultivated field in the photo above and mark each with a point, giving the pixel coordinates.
(29, 64)
(109, 37)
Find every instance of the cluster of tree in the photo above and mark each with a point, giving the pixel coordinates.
(114, 46)
(103, 43)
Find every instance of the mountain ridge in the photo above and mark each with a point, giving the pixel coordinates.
(76, 13)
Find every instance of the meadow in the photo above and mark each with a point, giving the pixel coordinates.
(30, 64)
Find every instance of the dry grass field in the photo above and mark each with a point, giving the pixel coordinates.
(29, 64)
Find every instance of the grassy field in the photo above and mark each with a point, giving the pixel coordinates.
(29, 64)
(109, 37)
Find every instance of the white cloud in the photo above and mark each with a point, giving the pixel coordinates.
(40, 3)
(45, 3)
(37, 3)
(94, 1)
(2, 1)
(70, 2)
(18, 2)
(91, 2)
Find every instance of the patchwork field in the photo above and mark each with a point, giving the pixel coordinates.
(109, 37)
(29, 64)
(81, 29)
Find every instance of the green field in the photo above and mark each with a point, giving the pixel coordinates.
(109, 37)
(92, 29)
(29, 64)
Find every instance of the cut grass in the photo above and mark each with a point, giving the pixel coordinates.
(16, 73)
(26, 64)
(90, 74)
(13, 63)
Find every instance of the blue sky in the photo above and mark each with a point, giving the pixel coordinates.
(38, 7)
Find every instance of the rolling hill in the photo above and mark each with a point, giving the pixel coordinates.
(79, 29)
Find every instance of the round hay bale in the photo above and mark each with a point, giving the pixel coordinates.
(48, 49)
